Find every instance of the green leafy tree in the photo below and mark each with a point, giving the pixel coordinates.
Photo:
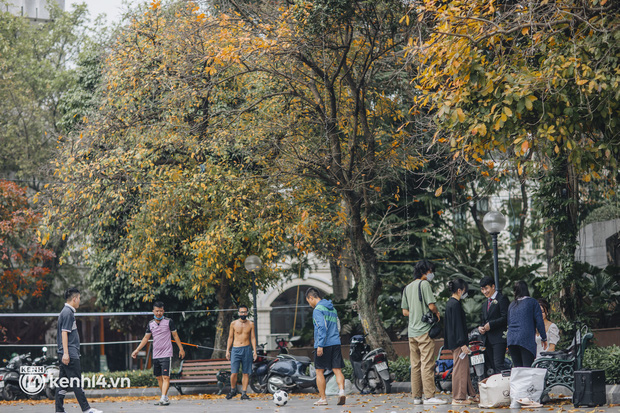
(35, 72)
(533, 84)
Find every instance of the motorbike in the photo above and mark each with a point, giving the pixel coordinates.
(443, 364)
(476, 358)
(52, 370)
(260, 370)
(9, 377)
(371, 372)
(291, 373)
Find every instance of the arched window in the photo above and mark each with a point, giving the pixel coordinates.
(283, 313)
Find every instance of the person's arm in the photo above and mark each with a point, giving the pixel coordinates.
(321, 332)
(553, 336)
(179, 344)
(253, 341)
(404, 303)
(231, 335)
(435, 310)
(145, 340)
(427, 294)
(540, 324)
(65, 347)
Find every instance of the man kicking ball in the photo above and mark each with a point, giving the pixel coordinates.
(162, 329)
(327, 351)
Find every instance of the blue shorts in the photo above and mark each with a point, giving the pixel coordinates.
(241, 355)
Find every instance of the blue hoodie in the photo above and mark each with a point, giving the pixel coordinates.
(326, 324)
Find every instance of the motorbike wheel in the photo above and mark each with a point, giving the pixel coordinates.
(361, 385)
(383, 386)
(271, 387)
(9, 393)
(256, 385)
(50, 393)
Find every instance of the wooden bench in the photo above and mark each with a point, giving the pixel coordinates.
(201, 372)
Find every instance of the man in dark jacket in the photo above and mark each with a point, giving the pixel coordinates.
(494, 324)
(328, 353)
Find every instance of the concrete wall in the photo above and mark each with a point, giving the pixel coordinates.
(592, 242)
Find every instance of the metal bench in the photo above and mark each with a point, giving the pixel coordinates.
(561, 365)
(194, 373)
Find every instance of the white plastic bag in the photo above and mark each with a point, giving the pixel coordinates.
(495, 391)
(526, 383)
(331, 387)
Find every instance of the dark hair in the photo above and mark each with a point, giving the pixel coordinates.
(486, 281)
(243, 306)
(313, 292)
(70, 293)
(545, 305)
(158, 304)
(421, 268)
(458, 284)
(520, 289)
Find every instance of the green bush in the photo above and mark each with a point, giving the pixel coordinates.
(137, 378)
(604, 358)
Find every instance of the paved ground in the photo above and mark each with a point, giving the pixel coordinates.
(392, 403)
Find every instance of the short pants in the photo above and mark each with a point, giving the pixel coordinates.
(331, 358)
(161, 367)
(241, 355)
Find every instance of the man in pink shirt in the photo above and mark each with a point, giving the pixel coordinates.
(162, 329)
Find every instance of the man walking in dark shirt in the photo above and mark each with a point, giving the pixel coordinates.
(70, 376)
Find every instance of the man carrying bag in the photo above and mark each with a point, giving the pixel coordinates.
(418, 303)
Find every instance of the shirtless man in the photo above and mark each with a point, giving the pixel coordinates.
(240, 337)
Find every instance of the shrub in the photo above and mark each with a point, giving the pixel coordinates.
(604, 358)
(137, 378)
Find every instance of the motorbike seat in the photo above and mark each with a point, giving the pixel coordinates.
(301, 359)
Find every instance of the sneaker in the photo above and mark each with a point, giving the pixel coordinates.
(93, 411)
(232, 394)
(320, 402)
(245, 396)
(165, 402)
(461, 402)
(434, 400)
(417, 400)
(341, 399)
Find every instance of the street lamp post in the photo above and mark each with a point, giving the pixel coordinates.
(253, 264)
(494, 222)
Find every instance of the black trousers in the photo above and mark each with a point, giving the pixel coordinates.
(496, 356)
(521, 357)
(73, 370)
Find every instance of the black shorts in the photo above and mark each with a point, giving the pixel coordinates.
(161, 367)
(331, 358)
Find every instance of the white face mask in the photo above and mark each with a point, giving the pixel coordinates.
(464, 295)
(430, 276)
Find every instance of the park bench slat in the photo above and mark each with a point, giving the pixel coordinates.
(199, 372)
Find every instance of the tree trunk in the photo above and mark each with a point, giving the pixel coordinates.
(224, 318)
(522, 219)
(341, 277)
(474, 213)
(367, 278)
(560, 201)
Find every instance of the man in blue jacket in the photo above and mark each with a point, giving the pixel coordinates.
(327, 352)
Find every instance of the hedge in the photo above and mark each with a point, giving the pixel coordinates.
(604, 358)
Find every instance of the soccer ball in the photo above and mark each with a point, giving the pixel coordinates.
(280, 397)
